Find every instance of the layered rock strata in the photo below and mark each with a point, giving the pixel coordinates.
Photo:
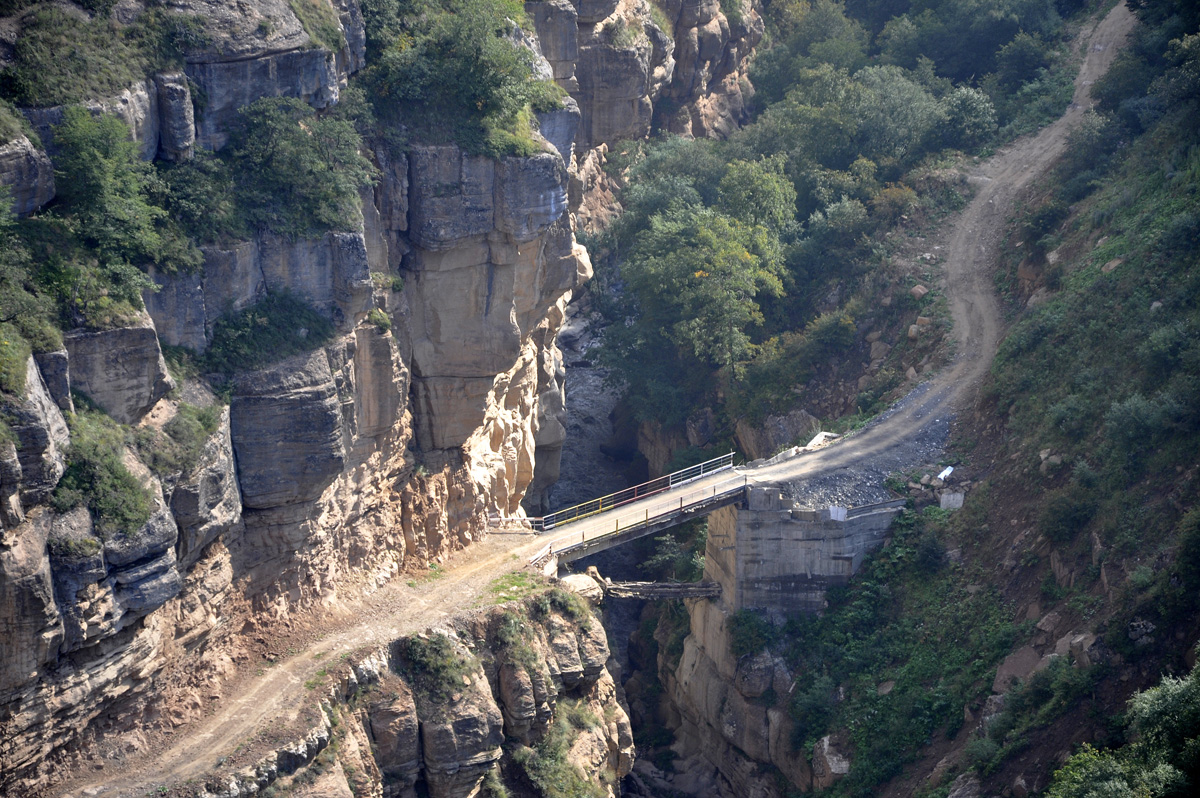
(392, 443)
(401, 736)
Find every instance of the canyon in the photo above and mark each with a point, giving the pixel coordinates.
(331, 472)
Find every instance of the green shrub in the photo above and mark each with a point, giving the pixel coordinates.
(96, 477)
(380, 319)
(295, 173)
(1066, 512)
(278, 326)
(434, 667)
(750, 632)
(71, 548)
(109, 189)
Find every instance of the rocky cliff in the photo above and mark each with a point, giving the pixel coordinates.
(392, 444)
(501, 696)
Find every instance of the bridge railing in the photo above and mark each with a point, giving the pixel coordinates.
(623, 523)
(623, 497)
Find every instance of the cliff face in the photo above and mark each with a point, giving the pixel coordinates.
(441, 712)
(336, 466)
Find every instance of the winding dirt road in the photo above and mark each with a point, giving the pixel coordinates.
(905, 436)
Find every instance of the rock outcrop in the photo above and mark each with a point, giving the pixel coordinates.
(392, 443)
(121, 369)
(28, 174)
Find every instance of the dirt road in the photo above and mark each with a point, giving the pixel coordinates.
(907, 435)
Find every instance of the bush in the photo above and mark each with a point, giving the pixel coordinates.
(1066, 512)
(379, 319)
(96, 477)
(295, 173)
(278, 326)
(750, 632)
(434, 666)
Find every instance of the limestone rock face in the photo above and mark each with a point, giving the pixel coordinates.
(722, 720)
(207, 503)
(711, 54)
(775, 433)
(42, 437)
(177, 129)
(511, 690)
(29, 620)
(260, 49)
(122, 369)
(56, 373)
(28, 174)
(330, 272)
(285, 425)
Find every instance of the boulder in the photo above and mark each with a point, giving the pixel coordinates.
(28, 174)
(42, 437)
(122, 369)
(828, 763)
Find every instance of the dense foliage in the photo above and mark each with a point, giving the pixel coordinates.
(796, 206)
(1162, 761)
(452, 68)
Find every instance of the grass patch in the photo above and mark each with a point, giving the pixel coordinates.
(435, 667)
(320, 23)
(514, 587)
(96, 477)
(278, 326)
(177, 448)
(61, 57)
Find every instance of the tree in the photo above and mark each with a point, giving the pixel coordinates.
(696, 273)
(970, 118)
(104, 183)
(758, 193)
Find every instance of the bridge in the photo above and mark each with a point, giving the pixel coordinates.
(646, 509)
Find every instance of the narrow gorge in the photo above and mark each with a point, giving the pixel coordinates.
(432, 410)
(873, 321)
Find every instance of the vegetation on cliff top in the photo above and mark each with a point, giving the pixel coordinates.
(452, 69)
